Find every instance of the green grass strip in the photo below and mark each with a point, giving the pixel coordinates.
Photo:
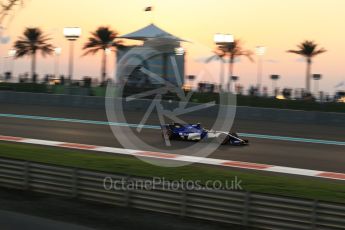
(254, 181)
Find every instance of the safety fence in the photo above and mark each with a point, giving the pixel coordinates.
(234, 207)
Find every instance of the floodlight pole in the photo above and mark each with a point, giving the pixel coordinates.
(317, 78)
(226, 40)
(71, 60)
(72, 34)
(260, 51)
(57, 52)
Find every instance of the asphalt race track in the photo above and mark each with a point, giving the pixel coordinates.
(276, 152)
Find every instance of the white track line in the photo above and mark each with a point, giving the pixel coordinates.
(176, 157)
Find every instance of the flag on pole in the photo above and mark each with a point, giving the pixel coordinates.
(149, 8)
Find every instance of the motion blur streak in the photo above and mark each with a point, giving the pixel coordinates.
(259, 136)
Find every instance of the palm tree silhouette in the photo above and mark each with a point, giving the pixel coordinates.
(32, 41)
(101, 39)
(234, 50)
(308, 49)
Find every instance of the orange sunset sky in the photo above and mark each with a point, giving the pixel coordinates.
(279, 25)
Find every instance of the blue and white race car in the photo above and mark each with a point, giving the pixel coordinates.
(195, 132)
